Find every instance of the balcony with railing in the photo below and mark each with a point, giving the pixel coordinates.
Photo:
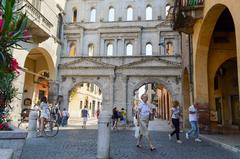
(186, 13)
(39, 26)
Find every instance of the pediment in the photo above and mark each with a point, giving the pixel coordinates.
(86, 63)
(152, 62)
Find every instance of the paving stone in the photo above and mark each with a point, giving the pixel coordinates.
(81, 144)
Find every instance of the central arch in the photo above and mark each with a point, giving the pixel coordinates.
(161, 92)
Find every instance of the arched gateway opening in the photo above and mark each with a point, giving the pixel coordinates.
(159, 98)
(84, 95)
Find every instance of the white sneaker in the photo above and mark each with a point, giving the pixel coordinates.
(198, 140)
(179, 141)
(187, 136)
(169, 136)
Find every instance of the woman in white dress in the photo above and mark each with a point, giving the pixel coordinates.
(45, 114)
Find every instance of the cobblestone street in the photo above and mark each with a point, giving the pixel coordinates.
(81, 144)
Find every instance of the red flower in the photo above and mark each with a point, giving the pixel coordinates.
(1, 20)
(1, 126)
(14, 66)
(26, 35)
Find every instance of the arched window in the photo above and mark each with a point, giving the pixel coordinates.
(59, 27)
(169, 48)
(129, 13)
(167, 9)
(90, 50)
(111, 14)
(110, 49)
(72, 49)
(149, 13)
(93, 15)
(149, 49)
(129, 50)
(74, 15)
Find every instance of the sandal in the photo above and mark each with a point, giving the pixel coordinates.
(139, 146)
(152, 148)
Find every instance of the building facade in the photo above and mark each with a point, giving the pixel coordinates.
(211, 64)
(85, 95)
(38, 59)
(119, 47)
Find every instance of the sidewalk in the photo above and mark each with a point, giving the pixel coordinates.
(229, 142)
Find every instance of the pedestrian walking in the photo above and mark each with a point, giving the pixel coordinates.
(115, 118)
(193, 118)
(85, 116)
(175, 114)
(98, 113)
(143, 113)
(65, 116)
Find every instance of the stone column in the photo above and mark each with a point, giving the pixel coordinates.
(65, 44)
(53, 92)
(139, 44)
(112, 93)
(115, 47)
(81, 47)
(32, 126)
(104, 129)
(102, 48)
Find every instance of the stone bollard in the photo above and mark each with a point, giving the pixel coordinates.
(32, 124)
(104, 129)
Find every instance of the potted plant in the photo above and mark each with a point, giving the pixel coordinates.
(13, 24)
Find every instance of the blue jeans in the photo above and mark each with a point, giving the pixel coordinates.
(64, 121)
(194, 129)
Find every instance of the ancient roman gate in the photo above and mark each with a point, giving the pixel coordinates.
(119, 77)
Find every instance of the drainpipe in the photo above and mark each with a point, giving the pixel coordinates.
(191, 66)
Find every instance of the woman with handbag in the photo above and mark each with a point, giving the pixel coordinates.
(175, 113)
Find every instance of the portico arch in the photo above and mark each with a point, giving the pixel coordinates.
(216, 43)
(40, 70)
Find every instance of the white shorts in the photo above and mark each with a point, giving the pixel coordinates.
(85, 119)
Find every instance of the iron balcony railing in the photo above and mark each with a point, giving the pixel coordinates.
(185, 13)
(34, 13)
(191, 3)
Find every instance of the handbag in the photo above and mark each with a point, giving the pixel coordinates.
(137, 131)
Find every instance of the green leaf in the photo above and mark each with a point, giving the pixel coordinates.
(7, 16)
(2, 58)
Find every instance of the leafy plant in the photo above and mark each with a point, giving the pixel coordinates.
(13, 25)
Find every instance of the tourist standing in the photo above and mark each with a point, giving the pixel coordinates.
(45, 114)
(143, 113)
(65, 116)
(175, 114)
(123, 118)
(85, 116)
(194, 122)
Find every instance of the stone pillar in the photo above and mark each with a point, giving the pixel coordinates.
(102, 48)
(81, 47)
(111, 94)
(53, 92)
(115, 47)
(32, 124)
(104, 129)
(65, 53)
(139, 44)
